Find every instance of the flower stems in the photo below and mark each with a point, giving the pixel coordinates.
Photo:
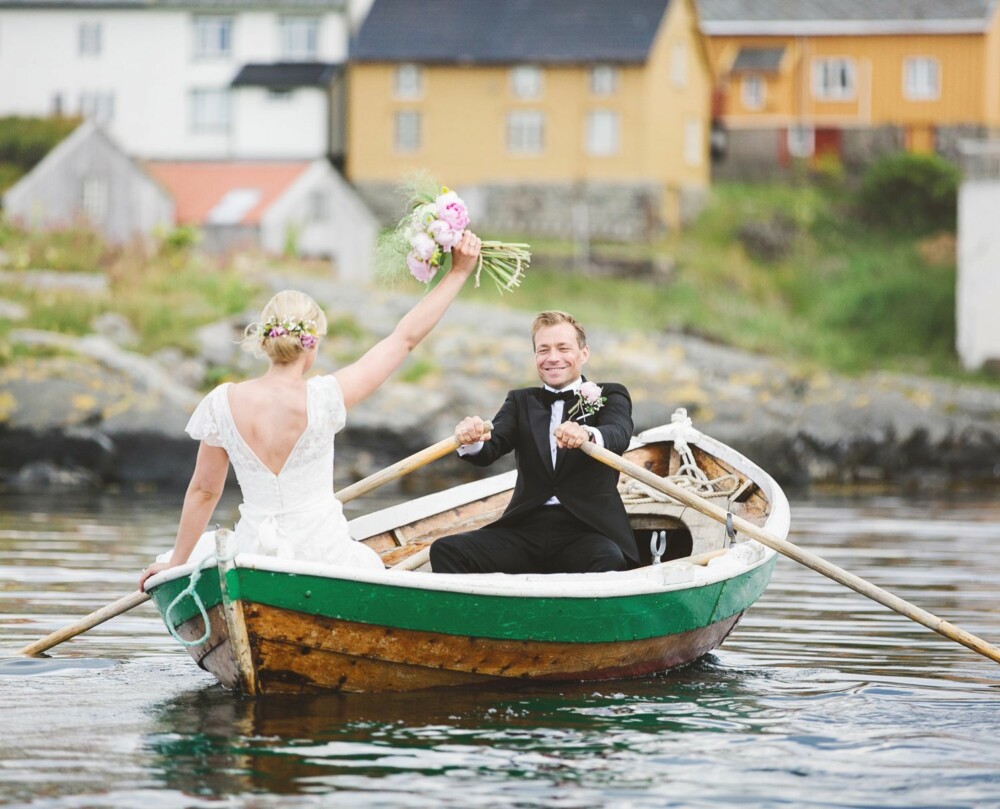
(504, 262)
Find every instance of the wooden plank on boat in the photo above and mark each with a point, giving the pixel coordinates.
(306, 653)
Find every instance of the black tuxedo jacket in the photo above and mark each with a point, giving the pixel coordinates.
(587, 488)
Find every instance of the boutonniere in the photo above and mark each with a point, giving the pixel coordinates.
(588, 401)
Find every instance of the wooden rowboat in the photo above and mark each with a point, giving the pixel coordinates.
(265, 625)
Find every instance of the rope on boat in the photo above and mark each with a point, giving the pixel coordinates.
(190, 590)
(688, 475)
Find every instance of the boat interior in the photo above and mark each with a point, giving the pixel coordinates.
(665, 529)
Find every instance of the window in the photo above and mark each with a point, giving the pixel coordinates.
(801, 141)
(319, 208)
(96, 106)
(94, 198)
(525, 132)
(678, 65)
(753, 91)
(526, 81)
(90, 39)
(409, 81)
(602, 132)
(299, 39)
(833, 79)
(213, 37)
(279, 94)
(209, 111)
(603, 80)
(407, 131)
(694, 142)
(921, 78)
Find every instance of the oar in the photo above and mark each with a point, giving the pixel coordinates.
(125, 603)
(793, 551)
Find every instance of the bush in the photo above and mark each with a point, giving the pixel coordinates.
(25, 141)
(911, 193)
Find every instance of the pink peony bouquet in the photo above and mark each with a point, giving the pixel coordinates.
(424, 238)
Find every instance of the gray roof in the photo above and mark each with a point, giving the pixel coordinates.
(508, 31)
(762, 59)
(315, 6)
(844, 16)
(286, 75)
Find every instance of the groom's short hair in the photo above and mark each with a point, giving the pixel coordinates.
(553, 318)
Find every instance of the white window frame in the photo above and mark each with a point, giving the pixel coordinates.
(407, 131)
(604, 80)
(525, 132)
(298, 38)
(679, 64)
(841, 68)
(90, 35)
(921, 78)
(211, 111)
(212, 36)
(97, 106)
(753, 91)
(95, 197)
(801, 141)
(603, 133)
(526, 81)
(694, 142)
(408, 81)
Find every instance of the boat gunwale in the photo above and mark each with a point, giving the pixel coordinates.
(547, 585)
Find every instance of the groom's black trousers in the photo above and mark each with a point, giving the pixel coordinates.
(548, 539)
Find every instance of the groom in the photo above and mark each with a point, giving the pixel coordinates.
(566, 515)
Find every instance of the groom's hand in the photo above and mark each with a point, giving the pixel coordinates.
(470, 430)
(570, 435)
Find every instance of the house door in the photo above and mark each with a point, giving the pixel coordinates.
(827, 143)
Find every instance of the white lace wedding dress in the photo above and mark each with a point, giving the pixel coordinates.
(291, 515)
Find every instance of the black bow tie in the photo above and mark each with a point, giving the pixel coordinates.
(550, 397)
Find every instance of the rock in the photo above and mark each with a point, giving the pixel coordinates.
(86, 283)
(768, 241)
(47, 475)
(116, 328)
(188, 371)
(10, 310)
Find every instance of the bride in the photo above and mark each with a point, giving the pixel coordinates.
(278, 431)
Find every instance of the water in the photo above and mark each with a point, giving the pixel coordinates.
(821, 698)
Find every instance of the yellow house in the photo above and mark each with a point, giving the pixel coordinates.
(547, 115)
(801, 78)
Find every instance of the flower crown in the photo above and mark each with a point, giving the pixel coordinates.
(305, 329)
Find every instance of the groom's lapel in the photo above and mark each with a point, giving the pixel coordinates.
(539, 417)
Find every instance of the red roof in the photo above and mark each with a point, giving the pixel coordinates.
(225, 192)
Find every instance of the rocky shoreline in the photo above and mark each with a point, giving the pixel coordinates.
(94, 413)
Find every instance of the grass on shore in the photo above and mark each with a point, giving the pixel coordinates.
(843, 295)
(166, 296)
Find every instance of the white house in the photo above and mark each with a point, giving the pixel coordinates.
(203, 79)
(88, 180)
(300, 207)
(978, 293)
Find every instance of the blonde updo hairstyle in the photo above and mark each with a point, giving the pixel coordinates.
(288, 306)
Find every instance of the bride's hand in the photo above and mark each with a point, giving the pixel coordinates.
(465, 254)
(152, 570)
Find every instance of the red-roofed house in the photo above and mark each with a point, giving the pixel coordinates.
(300, 207)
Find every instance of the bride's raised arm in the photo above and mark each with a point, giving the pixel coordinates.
(361, 378)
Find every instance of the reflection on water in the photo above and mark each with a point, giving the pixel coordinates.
(820, 697)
